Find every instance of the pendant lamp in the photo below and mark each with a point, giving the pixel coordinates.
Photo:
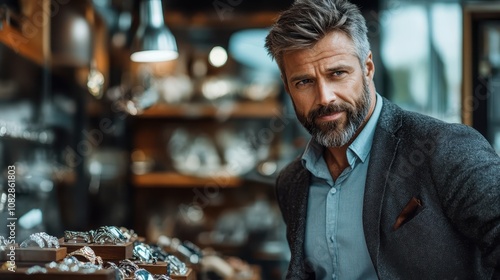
(153, 41)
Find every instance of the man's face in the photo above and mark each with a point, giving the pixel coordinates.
(329, 89)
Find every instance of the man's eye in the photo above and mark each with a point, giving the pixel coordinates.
(338, 73)
(303, 82)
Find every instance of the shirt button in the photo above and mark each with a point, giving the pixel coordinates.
(333, 190)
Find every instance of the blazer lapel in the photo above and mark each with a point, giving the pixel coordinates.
(383, 152)
(298, 209)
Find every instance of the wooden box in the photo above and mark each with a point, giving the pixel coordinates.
(158, 268)
(161, 268)
(38, 255)
(108, 252)
(190, 275)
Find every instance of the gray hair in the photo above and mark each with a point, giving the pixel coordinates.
(308, 21)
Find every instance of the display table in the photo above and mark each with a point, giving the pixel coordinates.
(45, 263)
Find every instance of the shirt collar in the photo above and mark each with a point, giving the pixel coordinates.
(360, 147)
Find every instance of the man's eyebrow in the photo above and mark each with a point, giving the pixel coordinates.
(300, 77)
(340, 67)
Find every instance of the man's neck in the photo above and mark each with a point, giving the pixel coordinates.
(336, 160)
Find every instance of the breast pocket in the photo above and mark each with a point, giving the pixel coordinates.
(410, 210)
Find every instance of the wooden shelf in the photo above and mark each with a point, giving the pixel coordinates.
(14, 39)
(248, 109)
(228, 20)
(176, 180)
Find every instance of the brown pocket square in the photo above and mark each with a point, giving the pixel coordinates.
(408, 212)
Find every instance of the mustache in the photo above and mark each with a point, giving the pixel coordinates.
(327, 110)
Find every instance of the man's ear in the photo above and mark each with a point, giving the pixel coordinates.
(369, 67)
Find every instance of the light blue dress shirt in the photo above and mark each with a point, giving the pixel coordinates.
(335, 244)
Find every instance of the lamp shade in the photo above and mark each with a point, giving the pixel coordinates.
(71, 40)
(153, 41)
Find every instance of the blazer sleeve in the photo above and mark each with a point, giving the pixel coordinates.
(467, 171)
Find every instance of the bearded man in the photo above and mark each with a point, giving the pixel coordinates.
(379, 192)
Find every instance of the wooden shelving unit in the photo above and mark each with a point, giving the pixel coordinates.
(230, 20)
(186, 204)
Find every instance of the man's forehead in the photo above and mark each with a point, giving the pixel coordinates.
(334, 43)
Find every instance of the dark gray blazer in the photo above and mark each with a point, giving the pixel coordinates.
(454, 174)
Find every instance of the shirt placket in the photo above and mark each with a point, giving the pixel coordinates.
(332, 216)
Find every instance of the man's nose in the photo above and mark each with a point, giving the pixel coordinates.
(326, 93)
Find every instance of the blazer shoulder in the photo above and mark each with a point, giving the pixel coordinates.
(393, 118)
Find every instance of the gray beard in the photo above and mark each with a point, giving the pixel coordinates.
(328, 139)
(328, 136)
